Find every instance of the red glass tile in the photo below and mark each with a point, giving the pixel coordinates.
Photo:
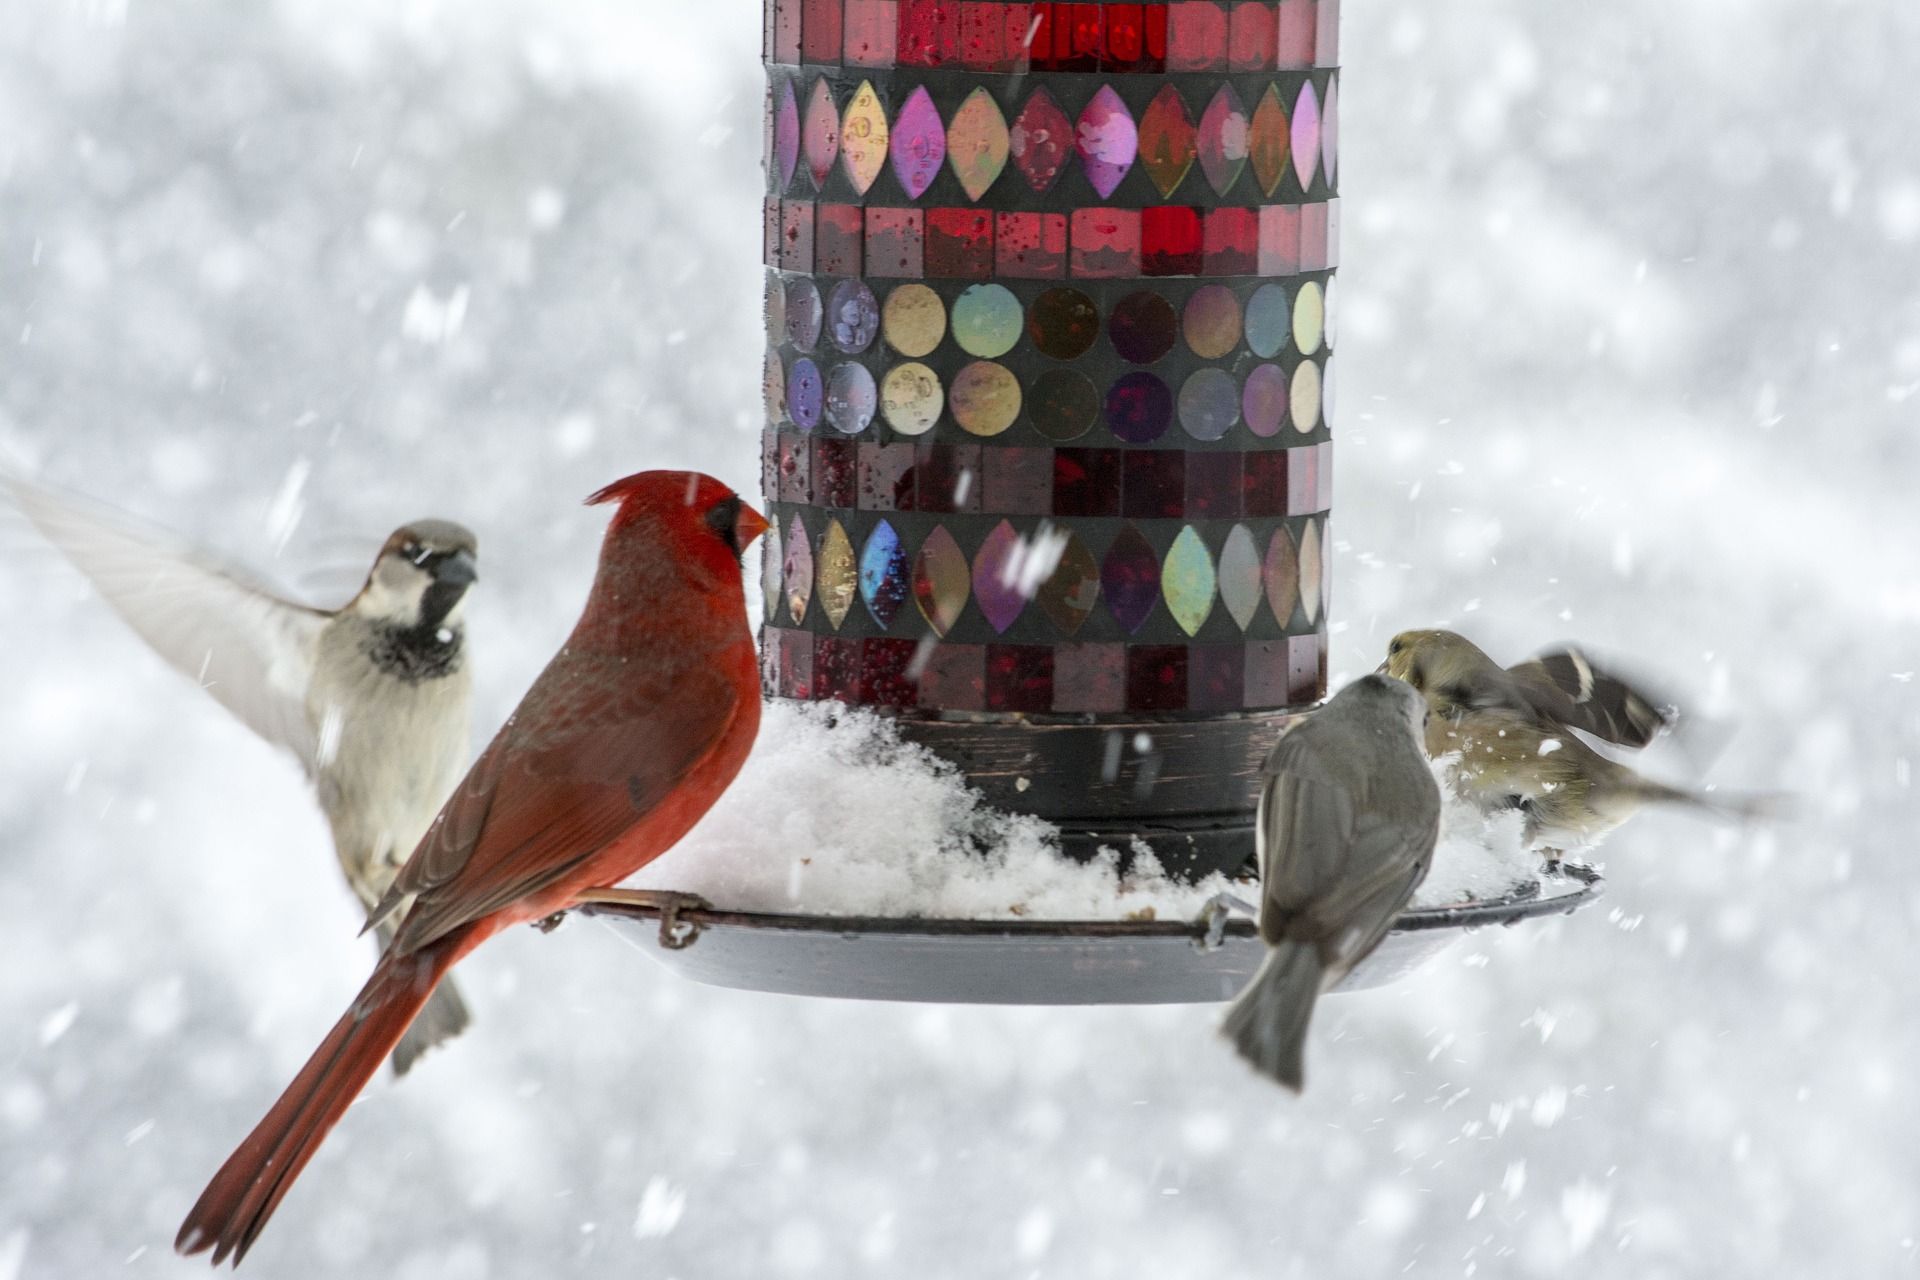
(838, 231)
(1155, 41)
(896, 245)
(983, 35)
(959, 244)
(1216, 677)
(1333, 233)
(1018, 25)
(883, 672)
(1196, 36)
(1297, 41)
(1154, 483)
(946, 477)
(1326, 43)
(1046, 27)
(795, 469)
(1323, 466)
(1157, 677)
(929, 33)
(820, 36)
(1213, 485)
(1303, 474)
(766, 30)
(796, 235)
(786, 31)
(836, 472)
(836, 667)
(1265, 683)
(1230, 243)
(886, 477)
(1263, 491)
(1031, 246)
(769, 463)
(1086, 482)
(796, 663)
(871, 27)
(1126, 39)
(1016, 481)
(770, 233)
(1019, 677)
(1106, 243)
(1313, 237)
(1251, 36)
(1086, 36)
(1090, 677)
(1303, 670)
(953, 677)
(1279, 239)
(1170, 243)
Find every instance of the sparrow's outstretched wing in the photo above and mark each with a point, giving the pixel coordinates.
(1567, 687)
(251, 650)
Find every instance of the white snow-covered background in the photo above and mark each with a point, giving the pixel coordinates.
(1630, 335)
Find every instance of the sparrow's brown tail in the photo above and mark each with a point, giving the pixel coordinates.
(243, 1195)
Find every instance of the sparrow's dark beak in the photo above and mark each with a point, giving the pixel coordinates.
(454, 569)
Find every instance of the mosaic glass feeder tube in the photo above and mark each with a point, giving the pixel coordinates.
(1048, 392)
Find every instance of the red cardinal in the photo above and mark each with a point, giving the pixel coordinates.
(625, 740)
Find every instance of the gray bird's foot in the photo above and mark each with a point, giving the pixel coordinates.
(1212, 920)
(675, 934)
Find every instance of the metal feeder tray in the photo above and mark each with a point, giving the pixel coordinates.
(1046, 962)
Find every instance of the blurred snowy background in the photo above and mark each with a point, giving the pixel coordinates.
(1630, 337)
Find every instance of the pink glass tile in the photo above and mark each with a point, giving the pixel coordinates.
(1090, 677)
(1106, 243)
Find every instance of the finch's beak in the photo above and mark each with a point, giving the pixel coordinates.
(1380, 670)
(748, 524)
(456, 570)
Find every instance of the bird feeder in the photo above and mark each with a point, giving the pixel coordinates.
(1049, 389)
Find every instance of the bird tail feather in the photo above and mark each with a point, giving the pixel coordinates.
(444, 1017)
(1728, 806)
(230, 1213)
(1268, 1022)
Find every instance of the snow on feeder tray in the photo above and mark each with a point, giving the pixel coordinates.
(1047, 454)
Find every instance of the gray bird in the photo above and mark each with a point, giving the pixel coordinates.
(373, 699)
(1349, 815)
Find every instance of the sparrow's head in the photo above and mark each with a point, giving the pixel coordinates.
(685, 513)
(421, 576)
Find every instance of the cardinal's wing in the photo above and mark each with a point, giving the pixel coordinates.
(253, 651)
(590, 753)
(1566, 686)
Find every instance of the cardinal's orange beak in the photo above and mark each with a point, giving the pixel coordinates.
(748, 525)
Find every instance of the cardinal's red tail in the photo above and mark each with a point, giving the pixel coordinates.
(244, 1194)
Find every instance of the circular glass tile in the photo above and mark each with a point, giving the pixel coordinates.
(853, 316)
(1305, 398)
(911, 398)
(1263, 401)
(851, 398)
(985, 398)
(986, 320)
(1212, 321)
(1063, 404)
(1143, 327)
(1209, 404)
(1309, 318)
(1063, 323)
(914, 320)
(1269, 320)
(806, 394)
(803, 313)
(1139, 407)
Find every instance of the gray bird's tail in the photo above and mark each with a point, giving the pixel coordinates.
(444, 1017)
(1268, 1022)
